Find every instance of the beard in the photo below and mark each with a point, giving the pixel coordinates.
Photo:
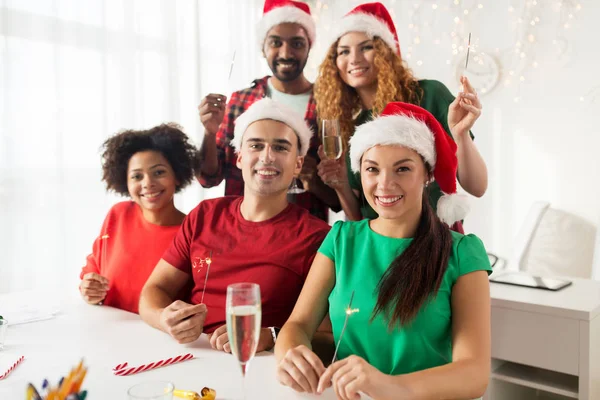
(288, 75)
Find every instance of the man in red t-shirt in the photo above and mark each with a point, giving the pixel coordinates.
(259, 238)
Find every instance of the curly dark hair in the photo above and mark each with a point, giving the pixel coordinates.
(167, 139)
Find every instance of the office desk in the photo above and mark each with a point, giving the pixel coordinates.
(106, 337)
(543, 340)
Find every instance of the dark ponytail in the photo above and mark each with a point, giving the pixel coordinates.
(417, 273)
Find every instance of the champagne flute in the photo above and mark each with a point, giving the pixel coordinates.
(332, 140)
(243, 308)
(294, 188)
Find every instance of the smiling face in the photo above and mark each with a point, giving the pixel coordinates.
(151, 182)
(393, 178)
(355, 60)
(269, 158)
(286, 49)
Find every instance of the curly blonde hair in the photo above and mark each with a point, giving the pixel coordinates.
(336, 100)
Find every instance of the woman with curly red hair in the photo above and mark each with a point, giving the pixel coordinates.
(363, 72)
(149, 167)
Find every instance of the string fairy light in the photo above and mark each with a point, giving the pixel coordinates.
(527, 18)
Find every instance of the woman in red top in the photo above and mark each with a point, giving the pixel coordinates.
(149, 167)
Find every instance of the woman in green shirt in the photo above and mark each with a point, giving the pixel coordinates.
(363, 72)
(422, 329)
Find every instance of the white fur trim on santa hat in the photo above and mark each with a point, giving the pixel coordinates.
(386, 130)
(282, 15)
(270, 109)
(369, 24)
(452, 207)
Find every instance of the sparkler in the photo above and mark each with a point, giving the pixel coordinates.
(349, 311)
(208, 262)
(103, 261)
(231, 67)
(468, 51)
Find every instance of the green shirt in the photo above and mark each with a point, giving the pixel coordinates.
(361, 257)
(436, 99)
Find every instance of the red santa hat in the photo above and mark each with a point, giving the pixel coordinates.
(371, 18)
(278, 12)
(414, 127)
(267, 108)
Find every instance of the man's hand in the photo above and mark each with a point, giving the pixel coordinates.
(212, 111)
(93, 288)
(183, 321)
(219, 340)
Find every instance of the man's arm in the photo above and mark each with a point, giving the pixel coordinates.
(160, 291)
(158, 307)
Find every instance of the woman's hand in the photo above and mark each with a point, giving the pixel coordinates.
(464, 110)
(354, 375)
(93, 288)
(333, 173)
(300, 369)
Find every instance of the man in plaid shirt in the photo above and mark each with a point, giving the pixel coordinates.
(287, 31)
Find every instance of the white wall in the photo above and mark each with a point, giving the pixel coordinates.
(73, 73)
(52, 201)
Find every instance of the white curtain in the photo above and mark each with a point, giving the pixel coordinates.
(72, 73)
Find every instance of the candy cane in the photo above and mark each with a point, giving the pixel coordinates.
(19, 361)
(122, 370)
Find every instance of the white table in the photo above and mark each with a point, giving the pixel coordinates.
(543, 340)
(106, 336)
(540, 340)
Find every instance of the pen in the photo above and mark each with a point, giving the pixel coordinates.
(32, 393)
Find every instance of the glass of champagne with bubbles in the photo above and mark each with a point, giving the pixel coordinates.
(332, 140)
(243, 308)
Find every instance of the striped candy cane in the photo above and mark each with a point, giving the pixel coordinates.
(123, 370)
(12, 367)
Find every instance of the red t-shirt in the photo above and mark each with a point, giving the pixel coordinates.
(276, 254)
(133, 248)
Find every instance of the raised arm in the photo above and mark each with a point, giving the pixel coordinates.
(462, 114)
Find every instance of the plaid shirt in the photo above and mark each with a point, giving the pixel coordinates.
(234, 183)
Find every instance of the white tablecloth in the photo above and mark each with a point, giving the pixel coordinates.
(105, 337)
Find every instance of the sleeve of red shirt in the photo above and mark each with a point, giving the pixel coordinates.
(178, 254)
(93, 259)
(224, 136)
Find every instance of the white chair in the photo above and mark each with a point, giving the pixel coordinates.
(554, 242)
